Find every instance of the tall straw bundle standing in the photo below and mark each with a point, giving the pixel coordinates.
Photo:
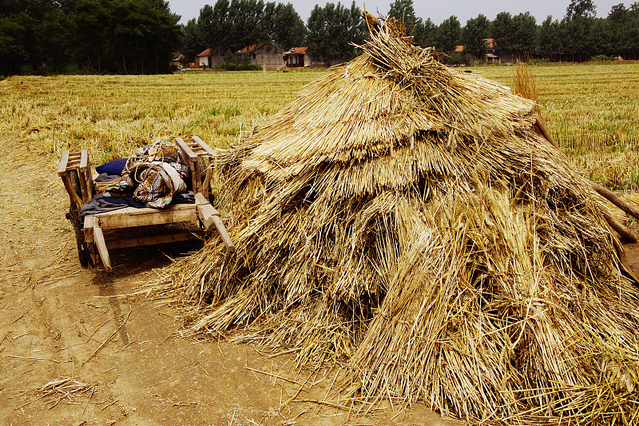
(409, 220)
(524, 82)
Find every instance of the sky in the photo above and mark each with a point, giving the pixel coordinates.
(436, 10)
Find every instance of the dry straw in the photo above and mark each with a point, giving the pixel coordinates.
(409, 222)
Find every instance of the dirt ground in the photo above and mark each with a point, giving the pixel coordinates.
(77, 349)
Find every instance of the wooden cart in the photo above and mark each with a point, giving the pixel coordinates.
(75, 171)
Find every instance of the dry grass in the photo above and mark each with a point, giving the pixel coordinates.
(113, 115)
(63, 390)
(593, 113)
(524, 82)
(591, 110)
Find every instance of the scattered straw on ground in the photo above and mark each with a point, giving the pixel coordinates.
(63, 390)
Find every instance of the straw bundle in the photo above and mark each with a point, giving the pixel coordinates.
(409, 221)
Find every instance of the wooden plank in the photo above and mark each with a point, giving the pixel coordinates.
(616, 200)
(200, 199)
(204, 146)
(194, 164)
(210, 218)
(206, 185)
(88, 228)
(196, 176)
(88, 239)
(74, 161)
(62, 167)
(545, 132)
(74, 195)
(83, 186)
(89, 177)
(625, 233)
(151, 240)
(84, 159)
(186, 149)
(85, 177)
(131, 217)
(98, 237)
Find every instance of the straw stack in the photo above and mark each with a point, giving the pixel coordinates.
(408, 220)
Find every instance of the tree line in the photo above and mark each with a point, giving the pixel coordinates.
(235, 24)
(330, 31)
(578, 36)
(71, 36)
(141, 36)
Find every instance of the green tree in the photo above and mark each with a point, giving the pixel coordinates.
(55, 42)
(289, 29)
(624, 30)
(619, 14)
(125, 36)
(17, 37)
(448, 35)
(215, 25)
(404, 10)
(91, 25)
(578, 29)
(332, 29)
(244, 17)
(144, 37)
(268, 22)
(581, 9)
(192, 43)
(524, 35)
(601, 37)
(474, 36)
(503, 33)
(426, 34)
(37, 9)
(633, 32)
(163, 7)
(34, 35)
(549, 40)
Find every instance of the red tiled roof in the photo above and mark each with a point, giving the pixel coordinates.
(490, 44)
(253, 48)
(296, 51)
(210, 52)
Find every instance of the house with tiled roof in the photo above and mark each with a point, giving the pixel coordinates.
(297, 57)
(264, 55)
(490, 56)
(210, 57)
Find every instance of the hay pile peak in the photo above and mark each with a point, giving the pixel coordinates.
(411, 222)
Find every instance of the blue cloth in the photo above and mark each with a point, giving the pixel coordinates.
(114, 167)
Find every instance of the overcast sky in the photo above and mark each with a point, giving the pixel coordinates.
(436, 10)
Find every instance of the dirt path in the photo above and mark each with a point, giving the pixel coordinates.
(76, 350)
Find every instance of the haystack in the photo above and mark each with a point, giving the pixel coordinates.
(411, 222)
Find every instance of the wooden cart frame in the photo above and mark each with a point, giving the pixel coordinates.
(76, 174)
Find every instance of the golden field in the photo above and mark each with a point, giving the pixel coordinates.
(591, 110)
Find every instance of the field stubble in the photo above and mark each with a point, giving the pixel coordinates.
(593, 113)
(591, 110)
